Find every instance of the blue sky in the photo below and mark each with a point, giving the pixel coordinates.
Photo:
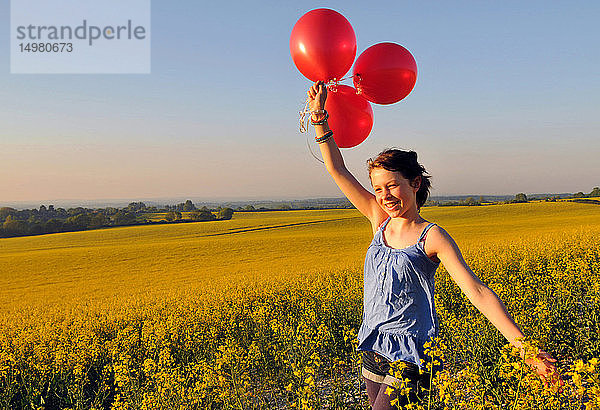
(506, 101)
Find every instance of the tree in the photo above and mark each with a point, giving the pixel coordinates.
(97, 221)
(54, 225)
(188, 206)
(595, 192)
(225, 213)
(172, 216)
(124, 218)
(202, 216)
(136, 206)
(579, 195)
(110, 211)
(520, 198)
(5, 212)
(470, 201)
(13, 226)
(79, 221)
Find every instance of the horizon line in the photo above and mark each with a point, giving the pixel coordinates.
(218, 200)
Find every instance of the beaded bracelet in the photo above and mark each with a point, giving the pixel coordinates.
(323, 138)
(322, 121)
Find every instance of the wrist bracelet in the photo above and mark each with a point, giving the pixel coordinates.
(322, 120)
(323, 138)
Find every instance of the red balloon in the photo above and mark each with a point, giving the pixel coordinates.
(350, 116)
(385, 73)
(323, 45)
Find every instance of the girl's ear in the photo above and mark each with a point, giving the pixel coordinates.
(416, 183)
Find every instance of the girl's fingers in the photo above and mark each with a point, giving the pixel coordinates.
(546, 356)
(316, 90)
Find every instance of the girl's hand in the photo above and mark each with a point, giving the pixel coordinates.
(317, 94)
(544, 366)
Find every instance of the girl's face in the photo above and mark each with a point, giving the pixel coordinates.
(393, 192)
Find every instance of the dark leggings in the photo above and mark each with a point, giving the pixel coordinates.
(377, 368)
(379, 400)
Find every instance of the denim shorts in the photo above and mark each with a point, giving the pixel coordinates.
(377, 369)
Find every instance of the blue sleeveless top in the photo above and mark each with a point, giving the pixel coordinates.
(398, 313)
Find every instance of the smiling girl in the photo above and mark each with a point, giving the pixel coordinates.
(399, 315)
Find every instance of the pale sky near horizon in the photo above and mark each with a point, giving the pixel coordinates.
(507, 100)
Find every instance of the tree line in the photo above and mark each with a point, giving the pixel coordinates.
(49, 219)
(519, 198)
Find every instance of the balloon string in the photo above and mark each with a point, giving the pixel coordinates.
(303, 118)
(304, 127)
(345, 78)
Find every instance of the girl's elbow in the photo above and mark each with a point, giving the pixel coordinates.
(336, 170)
(480, 294)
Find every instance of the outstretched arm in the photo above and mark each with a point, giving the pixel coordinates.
(483, 298)
(362, 199)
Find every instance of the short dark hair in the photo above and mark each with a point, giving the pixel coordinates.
(406, 163)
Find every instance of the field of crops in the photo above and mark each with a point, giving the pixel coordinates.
(261, 311)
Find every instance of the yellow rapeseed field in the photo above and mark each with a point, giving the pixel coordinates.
(261, 311)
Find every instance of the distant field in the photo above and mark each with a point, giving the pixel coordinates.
(93, 265)
(126, 261)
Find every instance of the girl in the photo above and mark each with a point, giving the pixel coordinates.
(399, 314)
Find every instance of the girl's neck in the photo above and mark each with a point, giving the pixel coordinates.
(405, 222)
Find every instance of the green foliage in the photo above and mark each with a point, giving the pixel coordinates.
(202, 215)
(188, 206)
(520, 198)
(4, 212)
(225, 213)
(136, 207)
(13, 226)
(97, 220)
(79, 221)
(124, 218)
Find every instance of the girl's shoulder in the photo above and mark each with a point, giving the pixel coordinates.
(438, 238)
(428, 228)
(434, 229)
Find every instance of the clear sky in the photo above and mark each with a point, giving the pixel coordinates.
(507, 100)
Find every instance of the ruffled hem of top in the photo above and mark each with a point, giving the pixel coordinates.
(392, 346)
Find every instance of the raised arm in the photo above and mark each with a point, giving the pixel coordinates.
(362, 199)
(440, 243)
